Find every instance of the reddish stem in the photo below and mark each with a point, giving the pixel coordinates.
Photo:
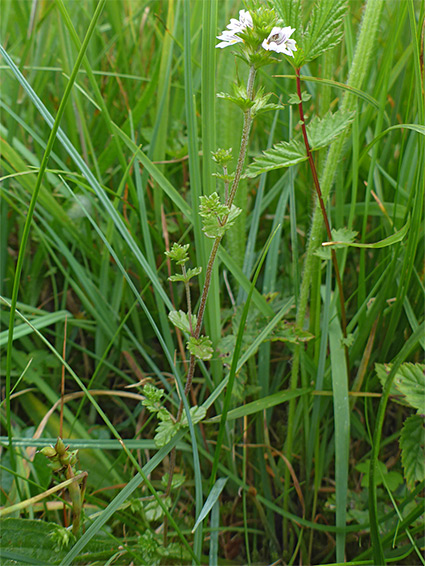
(324, 213)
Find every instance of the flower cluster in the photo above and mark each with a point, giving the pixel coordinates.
(229, 37)
(278, 39)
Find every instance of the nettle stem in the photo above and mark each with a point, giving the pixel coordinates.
(324, 213)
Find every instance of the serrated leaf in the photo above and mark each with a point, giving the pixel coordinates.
(322, 131)
(342, 237)
(283, 154)
(178, 253)
(153, 397)
(290, 13)
(192, 272)
(410, 381)
(294, 98)
(408, 384)
(243, 102)
(200, 347)
(165, 432)
(412, 444)
(180, 319)
(324, 29)
(216, 216)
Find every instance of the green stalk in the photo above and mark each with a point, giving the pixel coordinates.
(30, 213)
(238, 172)
(358, 70)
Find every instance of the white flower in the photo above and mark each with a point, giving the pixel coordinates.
(279, 41)
(228, 36)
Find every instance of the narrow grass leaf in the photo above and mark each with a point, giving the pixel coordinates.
(211, 500)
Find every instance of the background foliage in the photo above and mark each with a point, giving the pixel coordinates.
(123, 183)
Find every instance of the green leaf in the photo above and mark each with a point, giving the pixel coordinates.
(217, 217)
(180, 319)
(192, 272)
(343, 236)
(178, 253)
(294, 98)
(324, 29)
(283, 154)
(176, 481)
(408, 383)
(287, 332)
(211, 499)
(153, 510)
(17, 544)
(200, 347)
(165, 431)
(391, 240)
(153, 397)
(322, 131)
(412, 444)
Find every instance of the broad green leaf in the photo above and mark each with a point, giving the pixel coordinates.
(389, 478)
(153, 511)
(180, 319)
(322, 131)
(412, 444)
(324, 29)
(17, 544)
(200, 347)
(176, 481)
(408, 384)
(165, 431)
(211, 499)
(283, 154)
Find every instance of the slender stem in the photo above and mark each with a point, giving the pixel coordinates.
(324, 213)
(229, 201)
(188, 301)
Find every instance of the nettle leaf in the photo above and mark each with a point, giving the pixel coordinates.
(180, 319)
(283, 154)
(197, 414)
(408, 384)
(324, 29)
(322, 131)
(412, 444)
(200, 347)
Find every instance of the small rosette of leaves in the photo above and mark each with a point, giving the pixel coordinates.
(222, 156)
(217, 217)
(180, 320)
(178, 253)
(200, 347)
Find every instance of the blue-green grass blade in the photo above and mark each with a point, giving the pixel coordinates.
(28, 222)
(342, 430)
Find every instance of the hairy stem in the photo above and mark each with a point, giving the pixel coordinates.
(247, 122)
